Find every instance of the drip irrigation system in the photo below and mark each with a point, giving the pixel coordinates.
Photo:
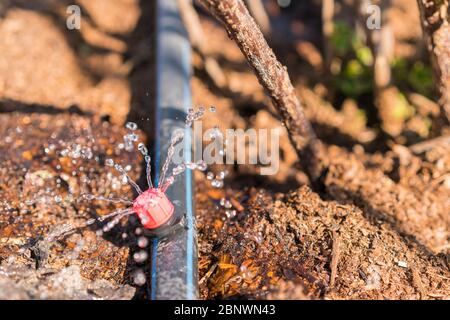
(173, 257)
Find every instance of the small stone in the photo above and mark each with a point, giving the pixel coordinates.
(402, 264)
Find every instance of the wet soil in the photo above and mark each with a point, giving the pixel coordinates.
(44, 213)
(61, 90)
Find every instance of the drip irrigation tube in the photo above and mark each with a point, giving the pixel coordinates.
(173, 258)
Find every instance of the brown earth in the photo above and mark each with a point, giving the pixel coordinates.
(44, 212)
(379, 228)
(57, 88)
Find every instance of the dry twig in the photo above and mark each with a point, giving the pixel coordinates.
(336, 251)
(424, 146)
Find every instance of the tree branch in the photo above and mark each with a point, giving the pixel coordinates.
(435, 23)
(274, 78)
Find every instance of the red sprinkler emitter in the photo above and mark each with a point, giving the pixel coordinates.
(153, 208)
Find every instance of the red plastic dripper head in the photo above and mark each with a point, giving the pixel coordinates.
(153, 208)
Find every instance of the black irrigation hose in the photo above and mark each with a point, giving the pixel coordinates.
(174, 273)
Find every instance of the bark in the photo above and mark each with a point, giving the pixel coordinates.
(274, 77)
(435, 23)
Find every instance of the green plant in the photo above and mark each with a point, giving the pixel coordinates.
(416, 75)
(355, 77)
(342, 38)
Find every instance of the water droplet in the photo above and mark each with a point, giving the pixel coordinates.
(226, 203)
(142, 148)
(230, 213)
(217, 183)
(177, 203)
(139, 277)
(179, 169)
(259, 238)
(191, 166)
(131, 125)
(88, 154)
(145, 219)
(133, 137)
(109, 162)
(140, 256)
(212, 109)
(170, 180)
(201, 165)
(142, 242)
(89, 196)
(222, 174)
